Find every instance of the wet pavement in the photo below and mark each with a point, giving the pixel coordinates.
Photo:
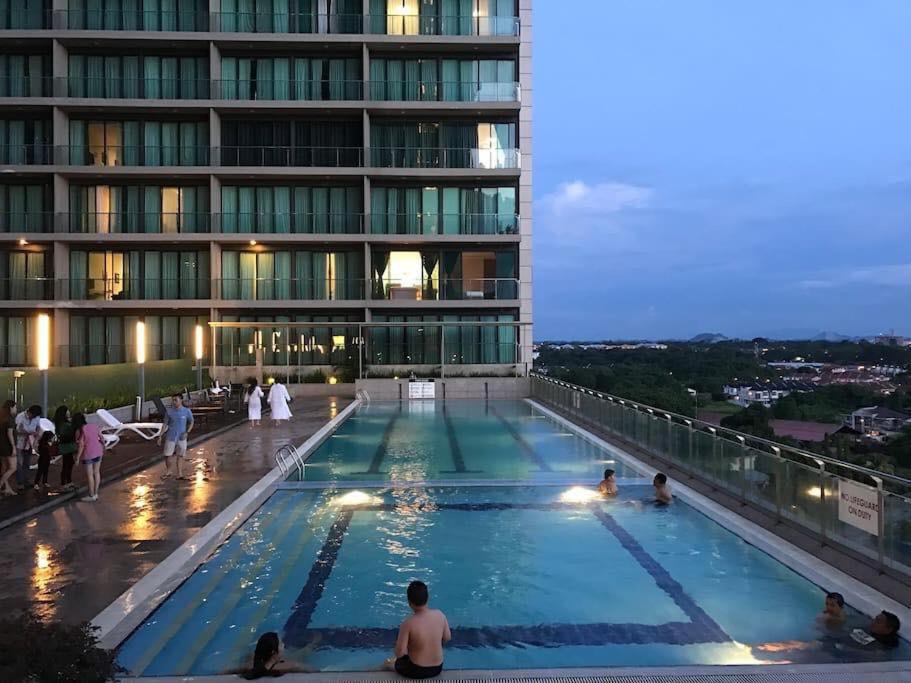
(70, 562)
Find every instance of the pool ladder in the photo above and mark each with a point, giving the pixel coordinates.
(287, 458)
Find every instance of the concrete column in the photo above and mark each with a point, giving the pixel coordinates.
(61, 333)
(525, 203)
(60, 136)
(215, 272)
(215, 204)
(59, 68)
(214, 138)
(214, 71)
(214, 9)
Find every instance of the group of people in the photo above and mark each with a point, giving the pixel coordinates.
(279, 398)
(418, 650)
(71, 439)
(608, 487)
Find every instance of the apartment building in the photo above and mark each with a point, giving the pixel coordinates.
(360, 163)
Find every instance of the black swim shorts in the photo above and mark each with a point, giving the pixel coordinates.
(405, 667)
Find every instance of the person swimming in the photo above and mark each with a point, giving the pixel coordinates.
(268, 661)
(608, 485)
(663, 494)
(833, 613)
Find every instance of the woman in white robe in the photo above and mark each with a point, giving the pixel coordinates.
(254, 403)
(278, 402)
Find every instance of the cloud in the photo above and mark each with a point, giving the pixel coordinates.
(578, 197)
(897, 275)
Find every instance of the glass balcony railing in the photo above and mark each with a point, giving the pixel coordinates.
(443, 157)
(444, 224)
(447, 289)
(283, 21)
(444, 91)
(136, 155)
(278, 155)
(27, 289)
(26, 221)
(287, 90)
(134, 88)
(271, 223)
(148, 222)
(25, 86)
(290, 289)
(28, 154)
(456, 25)
(92, 353)
(134, 289)
(131, 19)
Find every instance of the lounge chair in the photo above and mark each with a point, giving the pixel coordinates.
(112, 426)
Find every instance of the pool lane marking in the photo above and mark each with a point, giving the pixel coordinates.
(458, 459)
(383, 446)
(217, 573)
(662, 577)
(539, 635)
(527, 448)
(192, 652)
(306, 602)
(259, 614)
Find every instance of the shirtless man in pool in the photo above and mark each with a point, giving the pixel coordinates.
(419, 647)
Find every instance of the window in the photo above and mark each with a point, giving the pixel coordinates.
(291, 143)
(25, 75)
(24, 276)
(137, 209)
(25, 141)
(443, 210)
(280, 275)
(139, 143)
(98, 339)
(116, 275)
(23, 208)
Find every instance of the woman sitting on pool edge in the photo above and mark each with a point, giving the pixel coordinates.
(608, 485)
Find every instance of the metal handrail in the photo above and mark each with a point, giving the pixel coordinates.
(290, 453)
(774, 448)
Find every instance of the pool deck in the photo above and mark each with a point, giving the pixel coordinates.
(885, 672)
(70, 562)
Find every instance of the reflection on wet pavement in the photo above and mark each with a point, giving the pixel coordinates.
(71, 562)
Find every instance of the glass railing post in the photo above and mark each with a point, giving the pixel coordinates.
(823, 513)
(881, 523)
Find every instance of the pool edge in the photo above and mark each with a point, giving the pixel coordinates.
(127, 612)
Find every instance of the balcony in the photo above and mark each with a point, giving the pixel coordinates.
(26, 221)
(131, 20)
(285, 21)
(27, 289)
(290, 289)
(444, 91)
(443, 157)
(133, 88)
(444, 224)
(285, 156)
(447, 289)
(128, 288)
(264, 90)
(152, 222)
(455, 25)
(272, 223)
(27, 154)
(135, 155)
(25, 86)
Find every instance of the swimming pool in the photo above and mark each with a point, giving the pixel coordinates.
(532, 575)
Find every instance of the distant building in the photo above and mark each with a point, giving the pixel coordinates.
(765, 393)
(877, 422)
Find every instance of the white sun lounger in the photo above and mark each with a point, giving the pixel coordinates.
(111, 426)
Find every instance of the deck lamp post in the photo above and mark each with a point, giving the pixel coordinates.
(197, 349)
(141, 359)
(43, 355)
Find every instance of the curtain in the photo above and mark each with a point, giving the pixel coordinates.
(247, 275)
(430, 211)
(113, 85)
(282, 274)
(282, 210)
(76, 69)
(169, 78)
(188, 144)
(170, 337)
(244, 79)
(188, 78)
(337, 79)
(246, 209)
(131, 81)
(430, 260)
(281, 79)
(134, 274)
(303, 275)
(96, 341)
(506, 346)
(94, 76)
(320, 206)
(230, 261)
(113, 333)
(152, 275)
(151, 135)
(152, 218)
(337, 203)
(79, 265)
(379, 261)
(170, 275)
(17, 274)
(378, 219)
(229, 209)
(320, 275)
(264, 210)
(78, 151)
(412, 210)
(170, 144)
(78, 340)
(228, 79)
(303, 218)
(151, 82)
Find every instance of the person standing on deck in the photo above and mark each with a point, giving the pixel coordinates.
(278, 402)
(254, 401)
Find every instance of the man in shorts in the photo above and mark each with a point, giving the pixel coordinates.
(178, 422)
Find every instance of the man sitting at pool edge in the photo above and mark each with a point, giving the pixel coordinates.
(419, 647)
(662, 491)
(608, 485)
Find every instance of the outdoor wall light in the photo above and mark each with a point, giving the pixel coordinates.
(43, 354)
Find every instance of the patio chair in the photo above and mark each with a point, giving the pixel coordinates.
(111, 425)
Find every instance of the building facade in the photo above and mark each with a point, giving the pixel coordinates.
(353, 162)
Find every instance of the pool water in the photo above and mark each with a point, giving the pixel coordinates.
(533, 575)
(455, 440)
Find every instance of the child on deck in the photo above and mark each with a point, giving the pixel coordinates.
(45, 444)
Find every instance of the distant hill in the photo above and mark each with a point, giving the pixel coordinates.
(708, 338)
(832, 337)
